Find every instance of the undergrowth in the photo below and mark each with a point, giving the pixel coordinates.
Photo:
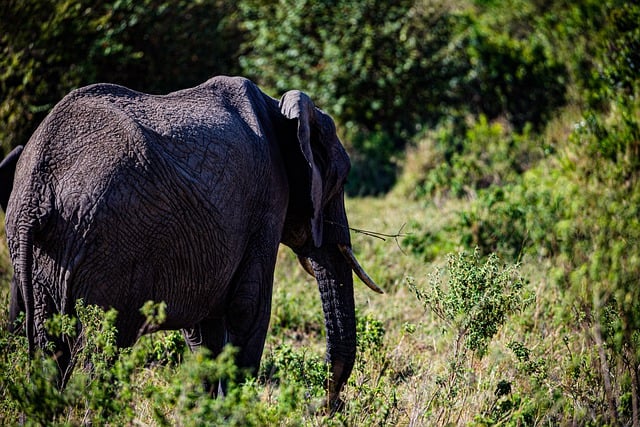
(158, 381)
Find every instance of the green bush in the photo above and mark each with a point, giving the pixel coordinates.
(383, 69)
(472, 299)
(388, 70)
(109, 385)
(518, 78)
(532, 216)
(580, 212)
(100, 390)
(364, 62)
(601, 259)
(477, 156)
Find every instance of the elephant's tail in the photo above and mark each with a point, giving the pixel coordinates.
(31, 217)
(29, 209)
(25, 268)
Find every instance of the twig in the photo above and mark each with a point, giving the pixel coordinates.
(376, 234)
(604, 371)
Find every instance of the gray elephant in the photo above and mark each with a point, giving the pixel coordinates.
(123, 197)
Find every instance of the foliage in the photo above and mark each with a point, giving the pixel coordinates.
(402, 54)
(103, 392)
(515, 77)
(578, 208)
(105, 387)
(472, 300)
(394, 60)
(460, 161)
(615, 86)
(394, 57)
(50, 47)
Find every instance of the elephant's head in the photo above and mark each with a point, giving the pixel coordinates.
(317, 229)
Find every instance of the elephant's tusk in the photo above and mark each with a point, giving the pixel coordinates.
(355, 266)
(306, 264)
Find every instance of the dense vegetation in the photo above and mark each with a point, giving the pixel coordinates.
(502, 143)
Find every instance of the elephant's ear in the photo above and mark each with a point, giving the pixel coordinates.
(297, 105)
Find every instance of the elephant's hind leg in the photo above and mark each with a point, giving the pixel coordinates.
(209, 334)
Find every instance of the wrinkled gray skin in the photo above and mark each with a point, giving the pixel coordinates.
(122, 197)
(7, 171)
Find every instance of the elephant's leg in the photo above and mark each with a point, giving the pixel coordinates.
(16, 305)
(58, 346)
(250, 308)
(211, 335)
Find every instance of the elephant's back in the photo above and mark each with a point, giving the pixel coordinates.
(139, 199)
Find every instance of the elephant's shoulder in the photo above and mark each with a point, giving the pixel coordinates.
(228, 82)
(233, 88)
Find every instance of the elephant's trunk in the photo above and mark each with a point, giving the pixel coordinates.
(335, 282)
(353, 262)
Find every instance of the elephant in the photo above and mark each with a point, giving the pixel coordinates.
(122, 197)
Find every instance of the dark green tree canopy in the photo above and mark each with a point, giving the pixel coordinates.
(50, 47)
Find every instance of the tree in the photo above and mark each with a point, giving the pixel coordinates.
(383, 69)
(50, 47)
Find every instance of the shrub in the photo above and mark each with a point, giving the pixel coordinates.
(98, 391)
(473, 300)
(286, 364)
(369, 64)
(113, 386)
(458, 160)
(365, 62)
(515, 77)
